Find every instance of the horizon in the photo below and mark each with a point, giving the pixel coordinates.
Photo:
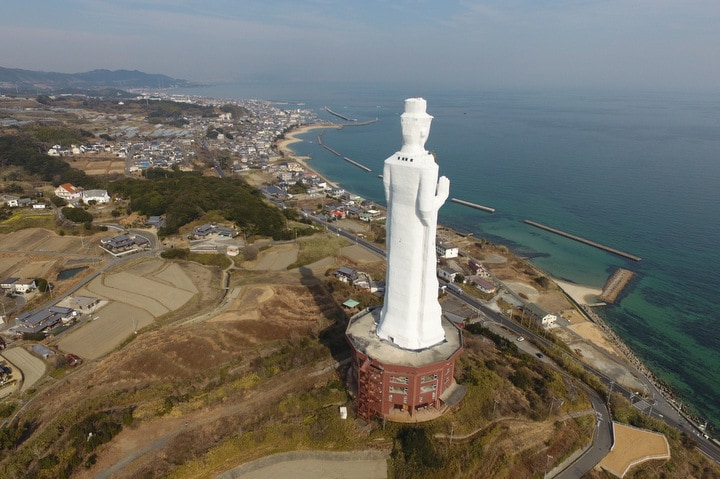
(614, 44)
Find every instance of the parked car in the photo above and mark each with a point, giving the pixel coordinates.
(520, 338)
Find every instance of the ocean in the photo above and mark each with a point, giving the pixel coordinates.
(636, 171)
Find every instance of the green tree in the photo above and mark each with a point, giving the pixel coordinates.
(77, 215)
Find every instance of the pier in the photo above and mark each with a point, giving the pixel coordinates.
(615, 284)
(338, 114)
(473, 205)
(583, 240)
(361, 123)
(337, 153)
(353, 162)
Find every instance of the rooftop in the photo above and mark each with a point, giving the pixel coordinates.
(362, 333)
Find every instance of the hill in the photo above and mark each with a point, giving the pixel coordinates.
(15, 80)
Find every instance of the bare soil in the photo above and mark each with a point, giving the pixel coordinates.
(633, 446)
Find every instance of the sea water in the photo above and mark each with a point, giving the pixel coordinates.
(636, 171)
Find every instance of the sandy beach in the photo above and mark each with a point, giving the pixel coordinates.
(581, 325)
(579, 293)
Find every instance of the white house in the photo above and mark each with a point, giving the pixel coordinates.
(11, 201)
(548, 320)
(446, 250)
(67, 191)
(25, 285)
(447, 274)
(99, 196)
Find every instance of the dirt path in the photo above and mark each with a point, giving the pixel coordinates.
(135, 446)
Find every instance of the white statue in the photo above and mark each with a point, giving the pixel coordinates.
(411, 314)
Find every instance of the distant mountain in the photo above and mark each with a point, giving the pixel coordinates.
(14, 80)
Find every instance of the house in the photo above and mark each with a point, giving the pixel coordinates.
(84, 304)
(10, 200)
(124, 241)
(548, 320)
(226, 231)
(25, 286)
(345, 274)
(156, 221)
(540, 315)
(8, 284)
(478, 269)
(203, 230)
(446, 250)
(67, 192)
(448, 274)
(482, 284)
(98, 196)
(42, 351)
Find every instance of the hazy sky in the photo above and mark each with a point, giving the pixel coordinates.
(655, 44)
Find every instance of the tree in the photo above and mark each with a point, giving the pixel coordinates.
(77, 215)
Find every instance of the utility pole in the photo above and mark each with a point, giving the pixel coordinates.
(547, 463)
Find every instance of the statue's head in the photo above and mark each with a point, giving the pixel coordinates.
(415, 124)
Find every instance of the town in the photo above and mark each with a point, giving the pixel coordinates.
(93, 287)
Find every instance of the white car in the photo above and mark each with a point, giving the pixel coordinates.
(520, 338)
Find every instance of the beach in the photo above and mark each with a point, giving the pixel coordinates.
(581, 323)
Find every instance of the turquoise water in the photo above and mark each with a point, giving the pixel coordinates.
(639, 172)
(69, 273)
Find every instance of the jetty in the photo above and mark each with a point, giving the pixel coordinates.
(359, 165)
(615, 284)
(337, 153)
(338, 114)
(583, 240)
(360, 123)
(473, 205)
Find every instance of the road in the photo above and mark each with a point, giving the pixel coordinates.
(652, 401)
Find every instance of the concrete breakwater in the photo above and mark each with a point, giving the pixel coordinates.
(359, 165)
(338, 114)
(473, 205)
(615, 284)
(336, 153)
(583, 240)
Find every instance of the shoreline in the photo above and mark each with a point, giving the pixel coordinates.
(580, 295)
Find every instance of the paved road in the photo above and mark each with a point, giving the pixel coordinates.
(655, 403)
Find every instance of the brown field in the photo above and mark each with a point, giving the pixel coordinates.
(25, 240)
(135, 297)
(99, 165)
(633, 446)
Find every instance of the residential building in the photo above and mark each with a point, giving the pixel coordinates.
(67, 192)
(446, 250)
(98, 196)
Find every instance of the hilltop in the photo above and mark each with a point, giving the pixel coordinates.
(15, 80)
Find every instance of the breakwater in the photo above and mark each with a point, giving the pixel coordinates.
(583, 240)
(337, 153)
(334, 113)
(361, 123)
(473, 205)
(359, 165)
(615, 284)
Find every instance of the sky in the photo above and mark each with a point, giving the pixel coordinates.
(646, 44)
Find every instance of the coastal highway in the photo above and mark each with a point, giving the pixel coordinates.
(602, 436)
(654, 402)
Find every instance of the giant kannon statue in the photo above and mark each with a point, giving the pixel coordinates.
(411, 314)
